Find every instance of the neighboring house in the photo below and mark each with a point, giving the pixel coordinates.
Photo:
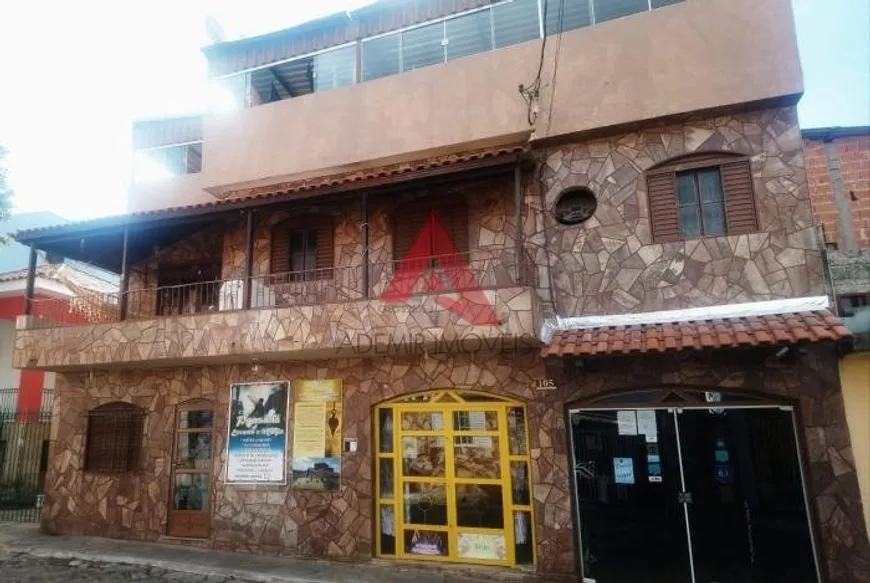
(838, 169)
(577, 328)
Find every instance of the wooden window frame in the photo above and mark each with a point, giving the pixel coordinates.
(281, 251)
(738, 194)
(114, 438)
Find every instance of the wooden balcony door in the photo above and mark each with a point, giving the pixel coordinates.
(190, 504)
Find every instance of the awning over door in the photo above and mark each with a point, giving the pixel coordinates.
(735, 326)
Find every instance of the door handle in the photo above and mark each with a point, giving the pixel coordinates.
(684, 497)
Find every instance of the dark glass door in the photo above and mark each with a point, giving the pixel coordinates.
(627, 476)
(747, 512)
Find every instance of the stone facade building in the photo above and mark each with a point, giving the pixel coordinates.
(576, 330)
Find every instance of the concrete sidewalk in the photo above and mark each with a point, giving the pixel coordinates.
(26, 539)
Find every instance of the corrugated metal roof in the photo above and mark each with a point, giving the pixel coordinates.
(152, 133)
(353, 180)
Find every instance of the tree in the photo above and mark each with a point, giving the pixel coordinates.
(5, 189)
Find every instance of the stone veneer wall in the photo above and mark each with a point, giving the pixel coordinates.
(277, 519)
(610, 264)
(811, 381)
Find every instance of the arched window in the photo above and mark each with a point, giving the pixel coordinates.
(114, 438)
(706, 194)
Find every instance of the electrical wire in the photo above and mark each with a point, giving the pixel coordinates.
(532, 91)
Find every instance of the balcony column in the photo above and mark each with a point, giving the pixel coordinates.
(249, 258)
(518, 217)
(31, 282)
(125, 275)
(364, 224)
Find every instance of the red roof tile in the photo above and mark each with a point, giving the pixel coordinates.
(801, 327)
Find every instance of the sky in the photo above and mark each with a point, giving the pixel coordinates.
(74, 75)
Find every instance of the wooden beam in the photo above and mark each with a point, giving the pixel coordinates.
(31, 282)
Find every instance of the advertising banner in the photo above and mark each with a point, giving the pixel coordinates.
(317, 423)
(257, 440)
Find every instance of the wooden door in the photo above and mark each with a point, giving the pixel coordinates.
(190, 503)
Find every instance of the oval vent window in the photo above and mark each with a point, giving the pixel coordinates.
(575, 205)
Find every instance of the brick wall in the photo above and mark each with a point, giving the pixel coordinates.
(854, 155)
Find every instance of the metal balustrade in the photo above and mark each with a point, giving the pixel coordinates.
(483, 269)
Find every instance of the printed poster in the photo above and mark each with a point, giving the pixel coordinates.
(623, 470)
(490, 547)
(317, 424)
(257, 439)
(626, 422)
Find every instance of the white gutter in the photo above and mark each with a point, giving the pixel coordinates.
(745, 310)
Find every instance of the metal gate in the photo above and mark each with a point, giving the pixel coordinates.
(24, 443)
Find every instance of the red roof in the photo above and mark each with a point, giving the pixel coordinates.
(796, 328)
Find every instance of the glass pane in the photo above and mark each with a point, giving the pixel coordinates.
(469, 34)
(388, 530)
(386, 478)
(574, 14)
(714, 218)
(191, 492)
(423, 421)
(194, 419)
(690, 222)
(477, 457)
(425, 504)
(710, 186)
(488, 547)
(660, 3)
(297, 250)
(380, 57)
(686, 189)
(523, 537)
(194, 451)
(422, 46)
(479, 506)
(423, 456)
(515, 22)
(610, 9)
(426, 542)
(229, 93)
(520, 493)
(517, 431)
(386, 428)
(335, 68)
(475, 420)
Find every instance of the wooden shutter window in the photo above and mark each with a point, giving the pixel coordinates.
(279, 254)
(740, 214)
(737, 192)
(114, 438)
(281, 251)
(663, 215)
(410, 221)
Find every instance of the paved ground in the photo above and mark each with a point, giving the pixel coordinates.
(26, 555)
(22, 568)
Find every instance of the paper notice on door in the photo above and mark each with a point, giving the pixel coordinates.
(623, 470)
(626, 422)
(646, 426)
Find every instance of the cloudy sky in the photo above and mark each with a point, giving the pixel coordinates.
(75, 74)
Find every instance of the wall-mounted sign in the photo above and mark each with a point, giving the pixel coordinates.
(481, 546)
(257, 439)
(623, 470)
(317, 444)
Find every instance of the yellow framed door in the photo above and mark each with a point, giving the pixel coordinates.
(452, 479)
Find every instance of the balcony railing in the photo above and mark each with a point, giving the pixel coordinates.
(478, 270)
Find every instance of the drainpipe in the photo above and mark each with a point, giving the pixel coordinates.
(364, 224)
(518, 217)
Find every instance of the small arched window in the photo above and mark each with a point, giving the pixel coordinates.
(114, 438)
(707, 194)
